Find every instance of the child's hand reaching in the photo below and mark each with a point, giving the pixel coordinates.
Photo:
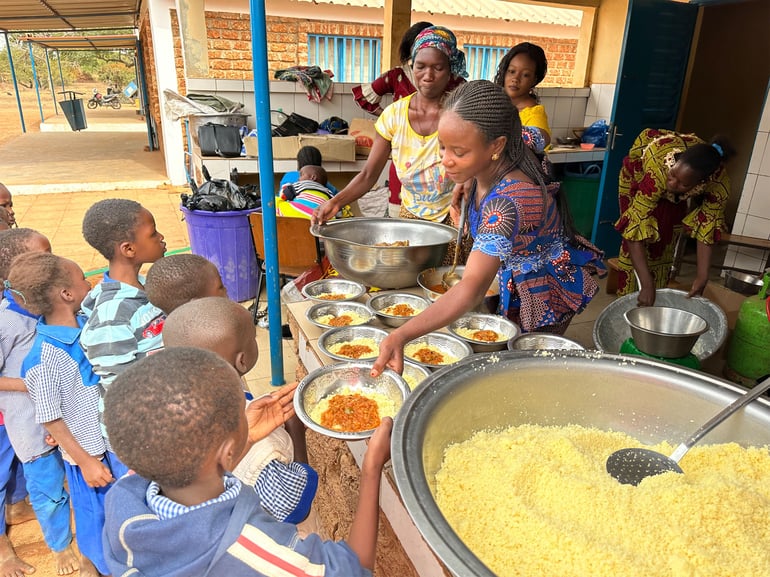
(378, 450)
(269, 412)
(96, 473)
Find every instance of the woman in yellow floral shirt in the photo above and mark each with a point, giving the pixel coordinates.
(669, 183)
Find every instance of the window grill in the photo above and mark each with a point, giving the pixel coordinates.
(482, 61)
(350, 58)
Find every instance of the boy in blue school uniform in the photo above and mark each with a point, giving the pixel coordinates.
(62, 383)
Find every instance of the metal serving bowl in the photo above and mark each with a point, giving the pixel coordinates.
(333, 286)
(431, 278)
(350, 246)
(665, 331)
(479, 321)
(344, 334)
(414, 374)
(611, 330)
(445, 343)
(743, 283)
(543, 342)
(354, 375)
(320, 310)
(382, 301)
(652, 401)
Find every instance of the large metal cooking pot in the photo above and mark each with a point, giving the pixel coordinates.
(650, 400)
(350, 246)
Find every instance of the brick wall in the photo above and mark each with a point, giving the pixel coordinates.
(229, 45)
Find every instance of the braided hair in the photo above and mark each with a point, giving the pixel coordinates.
(36, 277)
(487, 106)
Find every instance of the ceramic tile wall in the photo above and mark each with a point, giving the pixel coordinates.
(566, 107)
(753, 216)
(599, 104)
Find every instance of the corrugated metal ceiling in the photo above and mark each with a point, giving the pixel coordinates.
(495, 9)
(103, 42)
(57, 15)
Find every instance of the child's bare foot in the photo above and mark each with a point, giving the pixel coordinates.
(20, 512)
(10, 564)
(66, 561)
(87, 568)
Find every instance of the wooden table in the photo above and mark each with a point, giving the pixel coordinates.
(401, 550)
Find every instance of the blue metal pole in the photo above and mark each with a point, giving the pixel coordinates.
(15, 84)
(61, 74)
(50, 82)
(264, 138)
(34, 79)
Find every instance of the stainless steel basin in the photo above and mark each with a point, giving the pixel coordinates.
(653, 401)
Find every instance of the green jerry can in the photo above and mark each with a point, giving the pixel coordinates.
(748, 356)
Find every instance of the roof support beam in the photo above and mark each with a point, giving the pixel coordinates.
(397, 20)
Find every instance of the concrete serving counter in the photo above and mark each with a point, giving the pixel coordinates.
(401, 550)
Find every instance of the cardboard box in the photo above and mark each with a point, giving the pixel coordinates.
(284, 147)
(339, 147)
(362, 129)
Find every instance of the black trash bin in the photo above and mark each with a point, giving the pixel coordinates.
(73, 109)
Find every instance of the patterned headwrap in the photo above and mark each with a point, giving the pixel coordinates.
(442, 39)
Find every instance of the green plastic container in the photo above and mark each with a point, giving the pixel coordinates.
(581, 188)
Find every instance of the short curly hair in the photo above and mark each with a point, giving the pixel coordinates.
(34, 277)
(14, 242)
(178, 278)
(110, 222)
(168, 412)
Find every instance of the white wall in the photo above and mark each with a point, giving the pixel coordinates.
(753, 216)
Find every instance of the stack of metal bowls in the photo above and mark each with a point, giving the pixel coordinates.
(356, 248)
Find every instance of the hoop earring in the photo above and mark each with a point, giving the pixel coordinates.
(495, 156)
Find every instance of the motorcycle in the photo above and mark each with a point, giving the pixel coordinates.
(98, 100)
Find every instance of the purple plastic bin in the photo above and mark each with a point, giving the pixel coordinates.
(225, 239)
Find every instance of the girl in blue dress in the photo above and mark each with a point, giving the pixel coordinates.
(520, 224)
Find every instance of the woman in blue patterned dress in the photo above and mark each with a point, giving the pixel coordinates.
(520, 225)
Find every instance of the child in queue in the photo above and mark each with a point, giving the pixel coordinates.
(122, 324)
(6, 207)
(61, 383)
(520, 225)
(276, 465)
(179, 278)
(183, 513)
(41, 463)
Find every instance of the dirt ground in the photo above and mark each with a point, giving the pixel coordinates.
(10, 125)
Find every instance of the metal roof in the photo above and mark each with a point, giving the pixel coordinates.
(495, 9)
(50, 15)
(104, 42)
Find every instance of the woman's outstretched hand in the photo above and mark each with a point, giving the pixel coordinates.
(391, 356)
(646, 296)
(324, 212)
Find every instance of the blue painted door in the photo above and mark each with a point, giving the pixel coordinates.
(653, 64)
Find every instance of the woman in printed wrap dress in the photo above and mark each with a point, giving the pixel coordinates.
(670, 183)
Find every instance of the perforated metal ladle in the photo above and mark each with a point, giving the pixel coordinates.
(632, 466)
